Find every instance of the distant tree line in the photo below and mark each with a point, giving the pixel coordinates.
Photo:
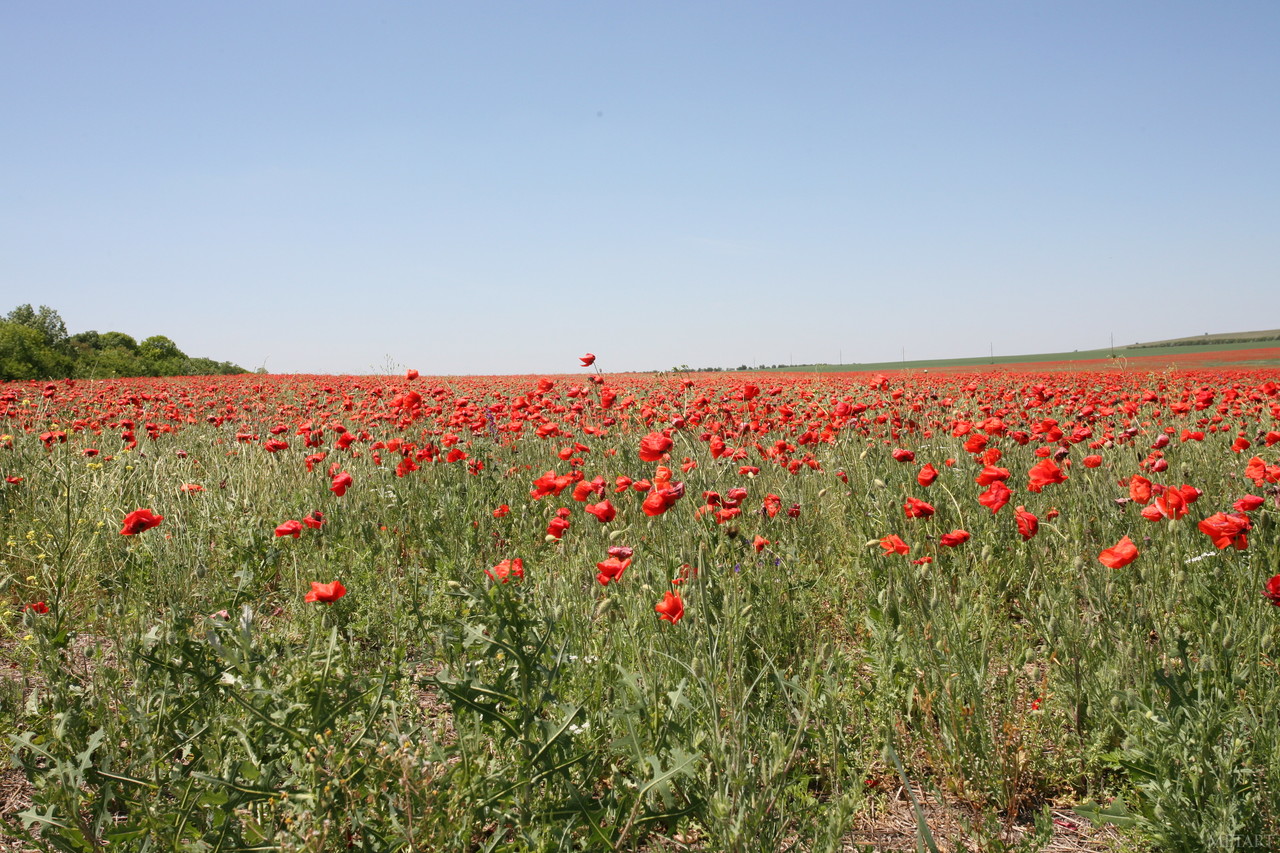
(34, 344)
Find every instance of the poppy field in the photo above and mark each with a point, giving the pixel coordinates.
(720, 612)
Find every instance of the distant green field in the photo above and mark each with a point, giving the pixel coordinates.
(1139, 350)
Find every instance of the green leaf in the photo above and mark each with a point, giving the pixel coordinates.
(1115, 814)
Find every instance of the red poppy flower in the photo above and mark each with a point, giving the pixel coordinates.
(771, 506)
(314, 520)
(506, 570)
(671, 608)
(1249, 503)
(586, 488)
(996, 496)
(192, 487)
(1028, 524)
(341, 482)
(37, 607)
(653, 446)
(760, 543)
(902, 455)
(1139, 489)
(588, 359)
(1272, 590)
(991, 474)
(603, 511)
(549, 483)
(927, 475)
(501, 511)
(954, 538)
(290, 528)
(1171, 504)
(326, 593)
(1044, 473)
(140, 520)
(916, 508)
(611, 570)
(659, 501)
(557, 526)
(1227, 530)
(893, 544)
(1119, 555)
(1094, 461)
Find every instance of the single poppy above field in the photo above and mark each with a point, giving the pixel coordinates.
(1119, 555)
(671, 608)
(1028, 523)
(506, 570)
(893, 544)
(291, 527)
(140, 520)
(326, 593)
(611, 570)
(1227, 530)
(603, 511)
(1272, 590)
(340, 483)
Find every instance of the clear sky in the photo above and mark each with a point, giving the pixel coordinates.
(499, 187)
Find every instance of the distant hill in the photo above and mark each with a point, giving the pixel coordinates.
(1222, 342)
(1224, 338)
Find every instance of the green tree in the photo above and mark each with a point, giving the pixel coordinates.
(25, 354)
(118, 339)
(161, 356)
(46, 321)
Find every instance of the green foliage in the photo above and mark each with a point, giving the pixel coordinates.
(202, 736)
(34, 345)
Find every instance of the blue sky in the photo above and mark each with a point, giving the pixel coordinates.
(494, 187)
